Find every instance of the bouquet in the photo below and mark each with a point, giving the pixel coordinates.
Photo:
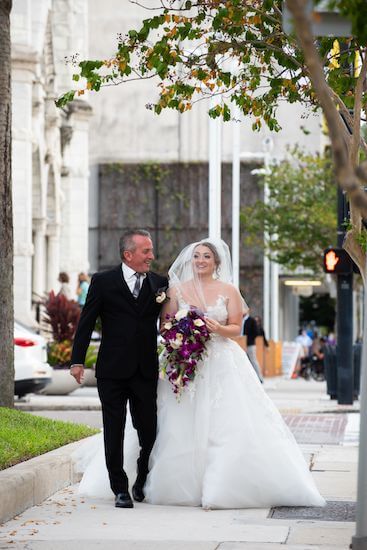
(184, 340)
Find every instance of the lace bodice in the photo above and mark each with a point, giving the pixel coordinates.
(217, 311)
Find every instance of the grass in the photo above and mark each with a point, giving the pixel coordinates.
(24, 436)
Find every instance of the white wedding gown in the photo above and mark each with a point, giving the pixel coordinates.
(222, 445)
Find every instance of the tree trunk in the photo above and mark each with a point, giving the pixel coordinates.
(6, 215)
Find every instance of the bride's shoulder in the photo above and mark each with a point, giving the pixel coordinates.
(175, 290)
(182, 287)
(228, 289)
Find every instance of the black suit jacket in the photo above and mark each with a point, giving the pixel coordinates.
(250, 330)
(129, 325)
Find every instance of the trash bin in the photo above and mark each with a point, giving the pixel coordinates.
(331, 371)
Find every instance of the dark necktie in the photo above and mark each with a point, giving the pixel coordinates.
(136, 288)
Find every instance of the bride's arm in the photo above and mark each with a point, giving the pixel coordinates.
(170, 307)
(235, 316)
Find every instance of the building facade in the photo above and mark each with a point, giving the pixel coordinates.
(50, 150)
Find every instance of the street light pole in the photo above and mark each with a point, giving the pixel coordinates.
(344, 315)
(359, 540)
(270, 273)
(215, 175)
(236, 166)
(271, 269)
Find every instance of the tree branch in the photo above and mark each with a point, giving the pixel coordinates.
(357, 114)
(344, 171)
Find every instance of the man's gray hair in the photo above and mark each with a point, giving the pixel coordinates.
(127, 240)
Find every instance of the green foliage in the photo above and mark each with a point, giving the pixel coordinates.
(319, 308)
(236, 50)
(362, 239)
(59, 354)
(91, 356)
(356, 11)
(24, 436)
(299, 217)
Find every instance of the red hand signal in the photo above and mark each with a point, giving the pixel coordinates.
(331, 259)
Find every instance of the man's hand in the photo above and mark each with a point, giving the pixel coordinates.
(78, 372)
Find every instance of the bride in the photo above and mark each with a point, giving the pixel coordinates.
(223, 443)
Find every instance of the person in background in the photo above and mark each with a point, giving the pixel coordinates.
(250, 330)
(82, 289)
(65, 289)
(305, 342)
(311, 330)
(260, 330)
(318, 347)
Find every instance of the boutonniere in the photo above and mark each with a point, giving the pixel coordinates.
(161, 296)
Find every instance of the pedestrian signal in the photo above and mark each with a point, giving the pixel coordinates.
(337, 260)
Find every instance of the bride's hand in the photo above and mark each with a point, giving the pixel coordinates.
(212, 325)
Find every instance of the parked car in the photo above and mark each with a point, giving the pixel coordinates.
(32, 372)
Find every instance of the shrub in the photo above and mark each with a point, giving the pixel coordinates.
(62, 315)
(59, 353)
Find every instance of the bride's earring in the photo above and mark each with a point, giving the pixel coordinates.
(216, 272)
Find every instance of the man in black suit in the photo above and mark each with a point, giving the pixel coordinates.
(128, 299)
(250, 330)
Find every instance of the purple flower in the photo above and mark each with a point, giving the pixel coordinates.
(180, 362)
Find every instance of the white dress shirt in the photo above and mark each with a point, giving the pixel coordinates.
(129, 276)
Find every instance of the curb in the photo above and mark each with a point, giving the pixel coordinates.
(30, 483)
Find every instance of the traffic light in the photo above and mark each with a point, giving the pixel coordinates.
(337, 260)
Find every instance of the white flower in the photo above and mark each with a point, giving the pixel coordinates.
(168, 325)
(160, 298)
(199, 323)
(181, 314)
(177, 343)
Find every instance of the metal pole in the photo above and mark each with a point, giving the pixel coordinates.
(344, 315)
(215, 159)
(266, 283)
(268, 313)
(359, 541)
(236, 139)
(219, 177)
(274, 274)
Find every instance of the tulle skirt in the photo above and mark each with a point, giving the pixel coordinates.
(223, 444)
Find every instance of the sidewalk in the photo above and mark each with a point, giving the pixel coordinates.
(327, 434)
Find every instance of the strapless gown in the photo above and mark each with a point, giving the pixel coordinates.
(223, 444)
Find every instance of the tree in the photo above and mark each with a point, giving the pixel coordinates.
(237, 50)
(298, 220)
(6, 217)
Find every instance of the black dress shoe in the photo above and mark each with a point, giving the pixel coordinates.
(123, 500)
(138, 493)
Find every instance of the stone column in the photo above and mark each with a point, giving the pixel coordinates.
(53, 259)
(39, 260)
(24, 62)
(75, 191)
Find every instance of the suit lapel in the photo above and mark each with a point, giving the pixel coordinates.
(147, 289)
(144, 293)
(122, 284)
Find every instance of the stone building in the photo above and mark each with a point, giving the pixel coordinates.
(50, 150)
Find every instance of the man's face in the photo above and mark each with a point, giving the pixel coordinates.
(140, 259)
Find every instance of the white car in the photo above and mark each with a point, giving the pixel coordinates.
(32, 372)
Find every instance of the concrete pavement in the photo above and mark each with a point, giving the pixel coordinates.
(68, 521)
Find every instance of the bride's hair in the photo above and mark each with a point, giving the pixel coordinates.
(213, 249)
